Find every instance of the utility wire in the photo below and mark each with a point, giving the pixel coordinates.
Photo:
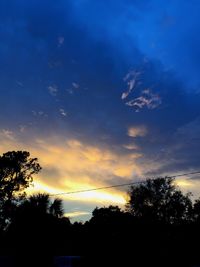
(120, 185)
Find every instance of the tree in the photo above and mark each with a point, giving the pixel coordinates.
(38, 220)
(40, 204)
(56, 208)
(159, 200)
(106, 215)
(16, 174)
(196, 210)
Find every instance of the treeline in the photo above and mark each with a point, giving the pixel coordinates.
(160, 225)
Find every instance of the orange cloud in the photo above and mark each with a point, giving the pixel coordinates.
(76, 214)
(69, 165)
(135, 131)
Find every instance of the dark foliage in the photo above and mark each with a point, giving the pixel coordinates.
(159, 200)
(16, 174)
(160, 226)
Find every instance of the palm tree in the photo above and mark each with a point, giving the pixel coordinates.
(56, 208)
(39, 203)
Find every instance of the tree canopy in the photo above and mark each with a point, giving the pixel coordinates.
(157, 214)
(159, 200)
(16, 174)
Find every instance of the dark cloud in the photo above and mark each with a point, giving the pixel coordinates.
(52, 176)
(71, 57)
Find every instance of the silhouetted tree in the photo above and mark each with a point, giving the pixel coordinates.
(196, 211)
(105, 214)
(41, 204)
(38, 223)
(159, 200)
(16, 174)
(56, 208)
(108, 227)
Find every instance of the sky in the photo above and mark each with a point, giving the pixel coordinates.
(102, 93)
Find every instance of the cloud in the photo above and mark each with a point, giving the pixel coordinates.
(189, 131)
(22, 128)
(53, 90)
(70, 165)
(61, 40)
(137, 131)
(131, 146)
(131, 79)
(96, 130)
(175, 153)
(150, 101)
(75, 85)
(146, 98)
(76, 214)
(8, 134)
(63, 112)
(20, 83)
(39, 113)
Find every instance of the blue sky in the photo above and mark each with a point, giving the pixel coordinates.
(102, 92)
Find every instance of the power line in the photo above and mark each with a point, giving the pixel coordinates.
(120, 185)
(183, 174)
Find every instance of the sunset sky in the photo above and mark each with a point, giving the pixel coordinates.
(103, 92)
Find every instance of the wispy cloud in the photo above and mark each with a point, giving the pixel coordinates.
(137, 131)
(53, 90)
(147, 99)
(20, 84)
(61, 40)
(8, 134)
(63, 112)
(189, 131)
(75, 85)
(131, 80)
(39, 113)
(131, 146)
(22, 128)
(76, 214)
